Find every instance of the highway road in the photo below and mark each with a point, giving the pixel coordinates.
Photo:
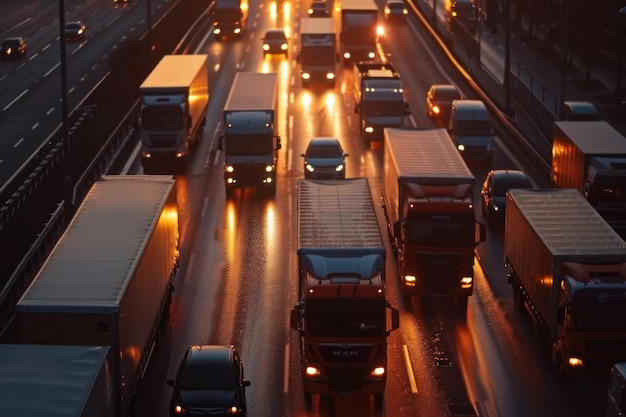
(238, 274)
(237, 281)
(30, 87)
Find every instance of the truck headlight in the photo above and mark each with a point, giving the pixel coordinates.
(575, 362)
(269, 168)
(179, 409)
(229, 168)
(312, 372)
(461, 147)
(436, 109)
(237, 31)
(306, 76)
(346, 55)
(330, 75)
(371, 55)
(410, 280)
(369, 129)
(467, 282)
(216, 31)
(378, 371)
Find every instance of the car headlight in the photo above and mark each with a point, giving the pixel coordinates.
(266, 47)
(237, 31)
(283, 46)
(436, 109)
(179, 409)
(309, 168)
(339, 168)
(216, 31)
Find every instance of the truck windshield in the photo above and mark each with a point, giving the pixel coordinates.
(162, 117)
(608, 315)
(609, 189)
(249, 144)
(473, 128)
(441, 229)
(346, 317)
(231, 14)
(318, 55)
(364, 34)
(383, 108)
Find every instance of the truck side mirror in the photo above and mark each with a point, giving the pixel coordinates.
(278, 144)
(395, 320)
(220, 145)
(396, 228)
(294, 318)
(482, 232)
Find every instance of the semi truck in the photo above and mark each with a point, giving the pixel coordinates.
(378, 99)
(342, 314)
(359, 30)
(568, 269)
(174, 103)
(229, 18)
(109, 279)
(429, 208)
(318, 56)
(590, 156)
(49, 381)
(250, 142)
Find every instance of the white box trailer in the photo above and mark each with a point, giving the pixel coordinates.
(108, 281)
(56, 381)
(568, 266)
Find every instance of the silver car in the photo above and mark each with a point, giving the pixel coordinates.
(324, 159)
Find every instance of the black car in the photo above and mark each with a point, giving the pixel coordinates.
(13, 48)
(209, 382)
(318, 9)
(494, 189)
(324, 159)
(439, 100)
(74, 31)
(395, 10)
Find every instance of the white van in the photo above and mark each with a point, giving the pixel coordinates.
(616, 402)
(470, 128)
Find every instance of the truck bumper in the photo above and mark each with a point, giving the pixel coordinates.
(343, 380)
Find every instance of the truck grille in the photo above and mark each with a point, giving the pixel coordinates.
(615, 347)
(438, 273)
(163, 141)
(345, 353)
(346, 379)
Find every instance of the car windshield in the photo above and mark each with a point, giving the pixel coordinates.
(324, 151)
(214, 378)
(501, 187)
(274, 36)
(446, 95)
(11, 43)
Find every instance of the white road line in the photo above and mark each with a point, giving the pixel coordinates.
(15, 99)
(409, 369)
(286, 371)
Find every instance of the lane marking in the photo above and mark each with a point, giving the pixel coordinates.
(409, 369)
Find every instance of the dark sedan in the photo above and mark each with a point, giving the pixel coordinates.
(439, 100)
(13, 48)
(494, 189)
(209, 382)
(74, 31)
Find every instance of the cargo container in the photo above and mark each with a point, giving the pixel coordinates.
(109, 279)
(568, 268)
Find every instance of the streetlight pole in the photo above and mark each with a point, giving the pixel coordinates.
(67, 181)
(564, 63)
(507, 58)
